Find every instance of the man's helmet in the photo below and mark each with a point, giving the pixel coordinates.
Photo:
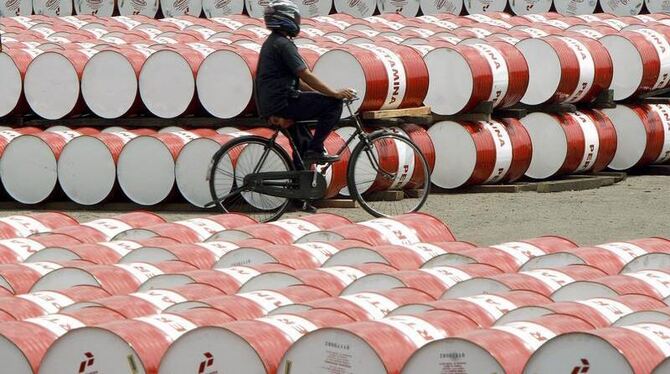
(283, 15)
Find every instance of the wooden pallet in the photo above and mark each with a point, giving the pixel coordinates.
(397, 113)
(569, 183)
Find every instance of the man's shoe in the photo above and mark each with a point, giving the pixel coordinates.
(313, 157)
(304, 206)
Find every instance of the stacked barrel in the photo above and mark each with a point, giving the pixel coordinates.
(113, 67)
(319, 294)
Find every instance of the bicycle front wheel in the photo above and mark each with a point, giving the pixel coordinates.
(388, 175)
(237, 159)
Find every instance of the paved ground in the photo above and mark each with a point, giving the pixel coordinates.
(637, 207)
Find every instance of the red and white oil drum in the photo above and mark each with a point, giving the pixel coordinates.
(21, 249)
(569, 143)
(20, 278)
(13, 65)
(575, 7)
(435, 281)
(115, 279)
(653, 283)
(62, 69)
(510, 256)
(408, 8)
(504, 348)
(285, 231)
(26, 342)
(332, 279)
(246, 342)
(16, 8)
(256, 304)
(487, 152)
(170, 98)
(145, 167)
(484, 309)
(485, 6)
(545, 281)
(651, 315)
(145, 303)
(655, 6)
(114, 97)
(87, 165)
(356, 8)
(29, 163)
(192, 230)
(622, 8)
(100, 8)
(385, 76)
(53, 8)
(308, 255)
(398, 158)
(30, 305)
(639, 348)
(235, 69)
(314, 8)
(641, 254)
(214, 9)
(401, 257)
(21, 226)
(612, 258)
(643, 56)
(530, 7)
(229, 280)
(141, 341)
(403, 229)
(375, 305)
(177, 8)
(643, 135)
(468, 69)
(192, 164)
(202, 255)
(565, 69)
(103, 253)
(432, 7)
(599, 312)
(105, 229)
(381, 346)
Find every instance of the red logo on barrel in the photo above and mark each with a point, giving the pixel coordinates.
(209, 361)
(88, 362)
(584, 368)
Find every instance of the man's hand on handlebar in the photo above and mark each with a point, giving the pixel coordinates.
(347, 94)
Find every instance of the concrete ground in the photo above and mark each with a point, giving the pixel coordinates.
(634, 208)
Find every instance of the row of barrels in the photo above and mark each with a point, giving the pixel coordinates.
(116, 66)
(309, 9)
(396, 295)
(91, 167)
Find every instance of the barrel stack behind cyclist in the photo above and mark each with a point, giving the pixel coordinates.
(287, 91)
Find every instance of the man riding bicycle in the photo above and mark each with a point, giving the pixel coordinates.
(287, 91)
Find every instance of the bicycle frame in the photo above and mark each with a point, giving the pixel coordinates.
(359, 133)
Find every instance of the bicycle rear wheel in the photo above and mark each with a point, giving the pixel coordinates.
(388, 175)
(239, 158)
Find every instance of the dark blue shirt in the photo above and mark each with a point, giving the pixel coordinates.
(277, 74)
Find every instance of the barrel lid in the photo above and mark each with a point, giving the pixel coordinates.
(550, 145)
(109, 84)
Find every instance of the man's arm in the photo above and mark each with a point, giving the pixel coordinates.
(305, 87)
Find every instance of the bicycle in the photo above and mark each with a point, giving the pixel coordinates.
(255, 175)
